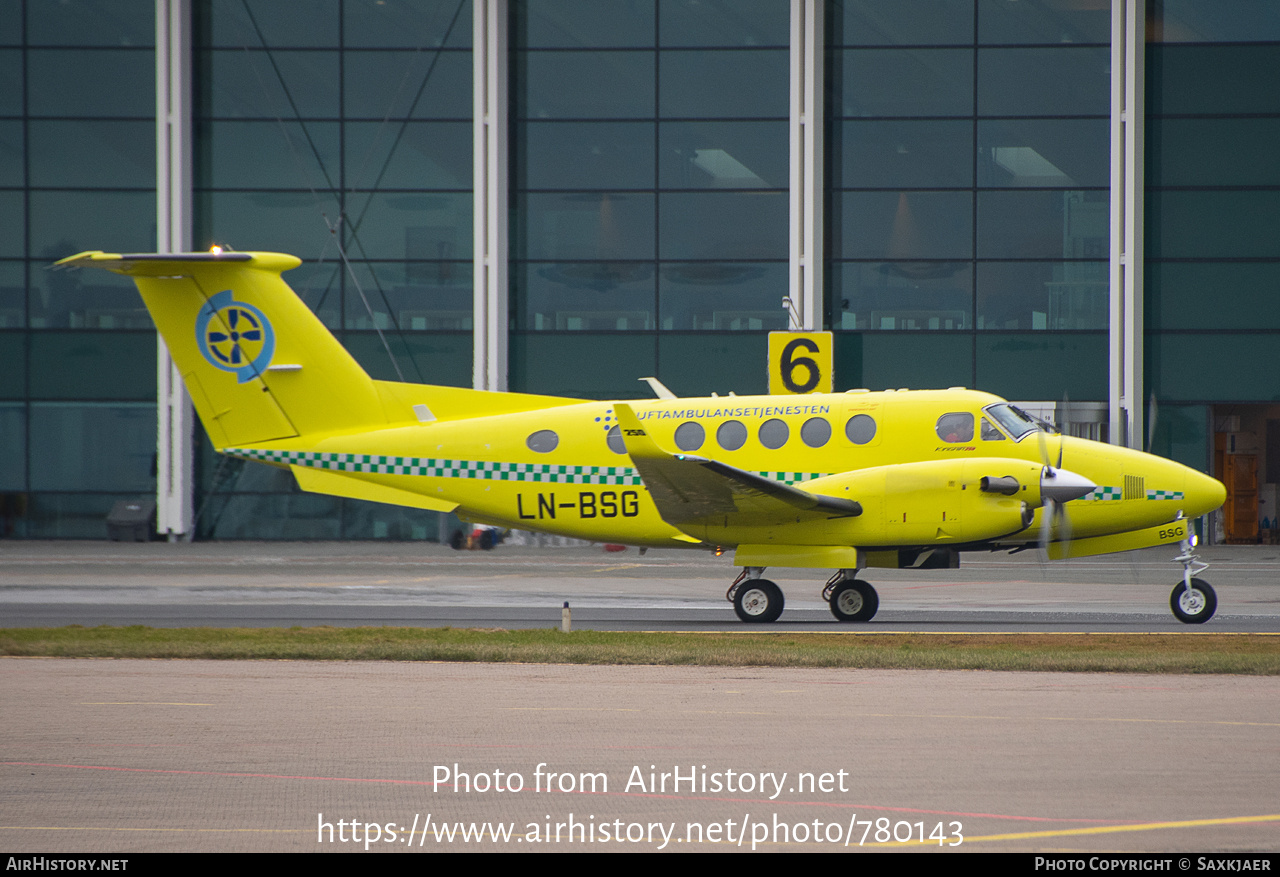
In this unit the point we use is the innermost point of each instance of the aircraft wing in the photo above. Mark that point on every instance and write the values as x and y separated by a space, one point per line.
688 489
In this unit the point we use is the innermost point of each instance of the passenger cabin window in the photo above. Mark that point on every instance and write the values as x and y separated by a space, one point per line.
956 427
690 435
774 434
860 429
989 431
616 444
815 432
543 441
731 435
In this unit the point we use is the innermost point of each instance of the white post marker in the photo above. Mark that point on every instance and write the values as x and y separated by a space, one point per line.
565 623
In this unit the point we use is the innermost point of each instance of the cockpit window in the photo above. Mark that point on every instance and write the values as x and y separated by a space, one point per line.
989 431
956 427
1015 421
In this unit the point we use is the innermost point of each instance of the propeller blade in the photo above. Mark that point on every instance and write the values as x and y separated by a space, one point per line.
1063 524
1047 514
1064 424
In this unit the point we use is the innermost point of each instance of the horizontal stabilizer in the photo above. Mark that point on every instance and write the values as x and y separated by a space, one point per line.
351 487
260 366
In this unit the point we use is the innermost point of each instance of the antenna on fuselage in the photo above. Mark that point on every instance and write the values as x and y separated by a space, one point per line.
659 389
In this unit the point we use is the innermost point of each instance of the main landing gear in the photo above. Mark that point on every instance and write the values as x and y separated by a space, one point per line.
850 600
1193 601
757 600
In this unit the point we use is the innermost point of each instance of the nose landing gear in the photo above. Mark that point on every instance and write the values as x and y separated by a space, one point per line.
1193 600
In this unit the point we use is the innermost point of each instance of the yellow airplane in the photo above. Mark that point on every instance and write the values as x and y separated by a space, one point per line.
840 481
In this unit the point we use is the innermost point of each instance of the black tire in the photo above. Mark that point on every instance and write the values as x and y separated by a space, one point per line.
854 601
458 540
1195 607
758 601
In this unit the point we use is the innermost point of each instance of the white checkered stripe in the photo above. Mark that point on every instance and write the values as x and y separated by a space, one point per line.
1164 494
433 468
478 469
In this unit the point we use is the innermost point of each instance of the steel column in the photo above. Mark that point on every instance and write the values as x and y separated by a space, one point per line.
805 285
1128 120
490 173
175 420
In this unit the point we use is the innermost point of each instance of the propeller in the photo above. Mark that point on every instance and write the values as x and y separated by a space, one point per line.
1058 486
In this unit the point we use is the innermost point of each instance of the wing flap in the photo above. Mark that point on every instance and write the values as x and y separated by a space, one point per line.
689 489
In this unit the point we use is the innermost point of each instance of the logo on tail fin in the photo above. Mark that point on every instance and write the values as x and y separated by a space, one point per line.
235 336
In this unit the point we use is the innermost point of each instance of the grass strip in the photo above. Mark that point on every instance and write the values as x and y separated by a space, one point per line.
1249 654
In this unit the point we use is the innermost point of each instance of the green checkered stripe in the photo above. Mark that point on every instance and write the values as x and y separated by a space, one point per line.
433 468
1118 493
486 471
792 477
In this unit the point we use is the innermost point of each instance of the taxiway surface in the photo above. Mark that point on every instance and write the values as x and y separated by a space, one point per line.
416 584
119 756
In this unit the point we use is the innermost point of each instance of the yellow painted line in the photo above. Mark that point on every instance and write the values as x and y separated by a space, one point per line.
1113 829
140 703
1026 835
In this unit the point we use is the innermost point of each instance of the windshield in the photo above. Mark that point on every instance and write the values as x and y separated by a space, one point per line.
1015 421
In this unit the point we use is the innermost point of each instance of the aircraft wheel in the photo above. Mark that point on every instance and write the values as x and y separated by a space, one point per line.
1195 606
758 601
854 601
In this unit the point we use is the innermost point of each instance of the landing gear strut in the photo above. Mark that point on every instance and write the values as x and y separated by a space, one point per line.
755 600
1193 601
850 600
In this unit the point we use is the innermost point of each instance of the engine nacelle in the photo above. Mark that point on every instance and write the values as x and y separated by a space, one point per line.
938 501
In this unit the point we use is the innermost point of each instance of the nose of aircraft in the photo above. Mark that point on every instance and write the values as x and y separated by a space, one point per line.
1203 493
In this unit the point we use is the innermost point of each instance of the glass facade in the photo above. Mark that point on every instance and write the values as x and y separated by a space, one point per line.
77 352
966 187
1212 228
969 167
649 159
339 131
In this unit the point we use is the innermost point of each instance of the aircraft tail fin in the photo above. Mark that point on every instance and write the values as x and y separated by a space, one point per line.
257 362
